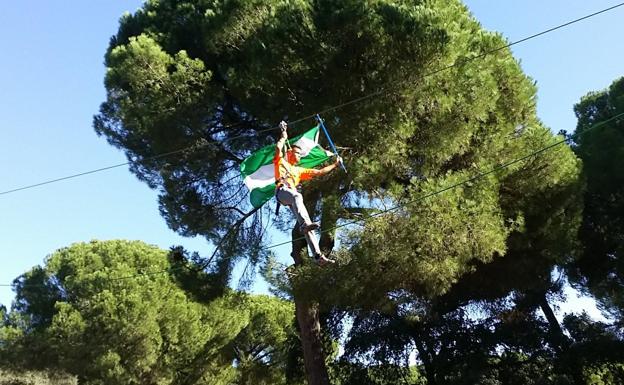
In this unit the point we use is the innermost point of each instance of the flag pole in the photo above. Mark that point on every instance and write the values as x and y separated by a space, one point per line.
331 144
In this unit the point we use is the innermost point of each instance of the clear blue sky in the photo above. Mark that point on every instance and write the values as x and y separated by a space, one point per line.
51 85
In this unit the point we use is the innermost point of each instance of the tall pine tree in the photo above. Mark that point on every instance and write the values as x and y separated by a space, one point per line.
212 77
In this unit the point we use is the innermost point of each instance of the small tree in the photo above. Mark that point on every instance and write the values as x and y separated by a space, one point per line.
113 319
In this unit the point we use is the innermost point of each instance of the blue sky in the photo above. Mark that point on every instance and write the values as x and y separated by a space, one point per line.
51 85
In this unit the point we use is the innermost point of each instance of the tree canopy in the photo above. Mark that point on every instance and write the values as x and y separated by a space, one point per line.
213 76
109 312
600 268
459 211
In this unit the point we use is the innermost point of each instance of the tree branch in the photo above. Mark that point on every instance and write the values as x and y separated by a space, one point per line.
236 225
351 212
241 212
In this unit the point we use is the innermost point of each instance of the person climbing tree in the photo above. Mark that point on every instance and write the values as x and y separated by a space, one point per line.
288 176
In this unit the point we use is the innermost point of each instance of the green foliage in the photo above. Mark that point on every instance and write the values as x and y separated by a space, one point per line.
597 354
542 201
347 373
189 273
112 328
263 347
604 374
117 317
36 378
600 269
509 348
237 67
214 76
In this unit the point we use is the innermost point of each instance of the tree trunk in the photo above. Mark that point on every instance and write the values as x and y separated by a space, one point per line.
313 355
424 357
426 353
310 328
558 338
308 316
550 315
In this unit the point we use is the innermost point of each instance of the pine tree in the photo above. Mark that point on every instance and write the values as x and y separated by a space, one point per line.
113 315
599 142
214 77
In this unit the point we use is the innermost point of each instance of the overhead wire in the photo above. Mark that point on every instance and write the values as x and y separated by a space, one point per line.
420 198
383 90
463 61
163 155
450 187
475 177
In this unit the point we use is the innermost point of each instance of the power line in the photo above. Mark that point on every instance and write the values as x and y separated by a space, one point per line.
420 198
471 179
467 60
351 102
115 166
336 107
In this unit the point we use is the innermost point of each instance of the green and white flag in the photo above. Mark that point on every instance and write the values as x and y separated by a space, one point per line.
259 173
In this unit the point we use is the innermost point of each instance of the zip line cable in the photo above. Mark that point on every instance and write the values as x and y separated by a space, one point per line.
468 60
465 181
343 105
420 198
79 174
339 106
166 154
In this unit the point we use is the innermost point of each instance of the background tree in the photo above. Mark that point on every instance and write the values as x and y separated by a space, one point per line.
36 378
110 312
600 268
597 353
263 348
108 327
214 77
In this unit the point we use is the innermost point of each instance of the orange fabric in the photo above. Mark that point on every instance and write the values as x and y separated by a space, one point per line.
292 174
